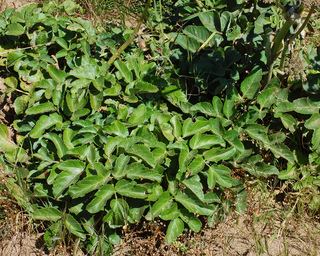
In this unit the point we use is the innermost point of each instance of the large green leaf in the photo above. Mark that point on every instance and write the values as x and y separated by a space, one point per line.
176 126
58 143
204 107
192 204
217 106
87 70
222 175
100 198
187 43
135 214
74 226
171 213
142 152
120 168
229 108
208 20
110 144
258 132
306 106
288 121
45 123
56 74
86 185
185 157
198 33
20 104
267 97
15 29
145 87
164 202
313 122
190 128
138 115
130 189
196 165
283 151
124 71
232 137
139 171
71 171
193 222
251 84
117 128
119 214
5 141
174 230
167 131
47 213
204 141
195 185
40 108
219 154
261 169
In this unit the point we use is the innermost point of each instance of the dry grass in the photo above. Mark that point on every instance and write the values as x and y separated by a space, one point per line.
16 232
116 12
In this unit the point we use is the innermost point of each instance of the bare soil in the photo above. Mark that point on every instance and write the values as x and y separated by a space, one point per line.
268 228
13 3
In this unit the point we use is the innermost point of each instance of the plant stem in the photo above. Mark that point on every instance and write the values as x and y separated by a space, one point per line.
277 44
301 28
276 48
117 54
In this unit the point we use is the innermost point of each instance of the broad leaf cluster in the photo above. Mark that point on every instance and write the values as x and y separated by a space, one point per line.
103 147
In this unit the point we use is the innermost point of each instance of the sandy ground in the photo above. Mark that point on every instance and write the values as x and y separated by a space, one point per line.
267 229
12 3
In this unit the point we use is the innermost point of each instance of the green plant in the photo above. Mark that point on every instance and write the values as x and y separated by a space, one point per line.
101 144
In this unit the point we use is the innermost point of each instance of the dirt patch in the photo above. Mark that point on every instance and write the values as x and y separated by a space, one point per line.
21 244
16 233
13 3
234 237
268 228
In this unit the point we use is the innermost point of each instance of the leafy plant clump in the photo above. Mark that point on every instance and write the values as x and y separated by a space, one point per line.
100 147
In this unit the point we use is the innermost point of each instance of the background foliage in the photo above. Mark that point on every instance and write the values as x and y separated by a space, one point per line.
172 131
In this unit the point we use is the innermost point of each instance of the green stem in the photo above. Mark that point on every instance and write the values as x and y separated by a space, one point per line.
301 28
276 47
117 54
199 3
270 72
277 43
